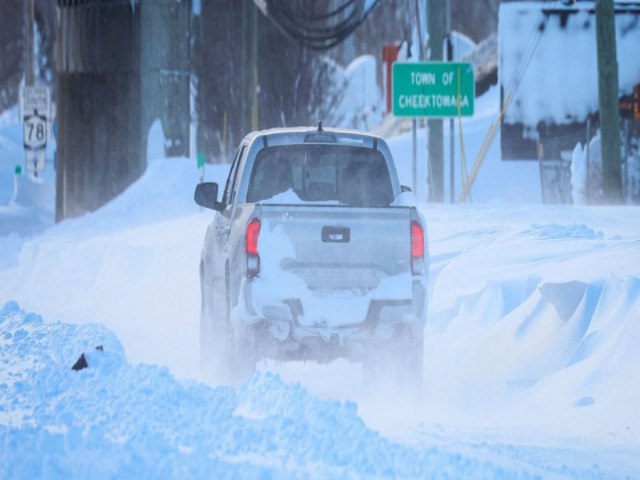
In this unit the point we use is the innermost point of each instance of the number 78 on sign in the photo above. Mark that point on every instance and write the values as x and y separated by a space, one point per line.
433 89
35 132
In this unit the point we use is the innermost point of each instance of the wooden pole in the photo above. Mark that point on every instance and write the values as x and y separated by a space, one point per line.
608 101
437 21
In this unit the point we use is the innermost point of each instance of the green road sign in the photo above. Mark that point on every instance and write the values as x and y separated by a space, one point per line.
433 89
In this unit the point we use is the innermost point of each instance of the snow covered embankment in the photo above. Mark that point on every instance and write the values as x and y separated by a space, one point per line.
113 419
535 325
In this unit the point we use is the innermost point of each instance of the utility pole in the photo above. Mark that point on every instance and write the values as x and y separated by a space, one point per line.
449 46
249 81
254 69
608 101
437 21
245 68
414 122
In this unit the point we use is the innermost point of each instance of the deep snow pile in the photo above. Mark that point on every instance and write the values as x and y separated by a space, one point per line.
115 420
149 239
535 324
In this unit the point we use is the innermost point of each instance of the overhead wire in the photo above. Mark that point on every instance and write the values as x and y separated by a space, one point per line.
317 31
334 13
299 27
315 37
514 84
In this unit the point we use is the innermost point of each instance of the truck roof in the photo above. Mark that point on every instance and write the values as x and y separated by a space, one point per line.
301 135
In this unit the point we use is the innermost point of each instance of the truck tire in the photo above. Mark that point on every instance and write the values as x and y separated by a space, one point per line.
214 333
225 357
241 351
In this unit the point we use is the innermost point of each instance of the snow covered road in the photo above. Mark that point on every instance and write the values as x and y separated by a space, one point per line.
531 354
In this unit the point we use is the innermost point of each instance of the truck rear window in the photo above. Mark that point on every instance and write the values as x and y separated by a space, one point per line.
346 175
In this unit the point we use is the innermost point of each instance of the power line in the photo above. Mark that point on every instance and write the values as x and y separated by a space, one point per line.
312 30
514 84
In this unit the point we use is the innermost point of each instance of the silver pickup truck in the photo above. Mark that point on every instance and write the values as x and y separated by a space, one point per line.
315 253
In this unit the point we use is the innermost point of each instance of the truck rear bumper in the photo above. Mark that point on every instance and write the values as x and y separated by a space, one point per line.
284 331
318 346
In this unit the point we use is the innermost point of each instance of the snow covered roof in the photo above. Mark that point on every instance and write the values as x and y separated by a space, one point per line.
555 48
297 135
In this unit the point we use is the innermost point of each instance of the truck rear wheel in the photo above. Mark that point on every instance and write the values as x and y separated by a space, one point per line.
225 357
214 334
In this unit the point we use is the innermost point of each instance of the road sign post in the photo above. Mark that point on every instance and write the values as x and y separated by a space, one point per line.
34 161
433 89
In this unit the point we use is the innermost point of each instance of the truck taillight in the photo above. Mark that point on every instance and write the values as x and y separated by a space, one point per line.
417 248
251 248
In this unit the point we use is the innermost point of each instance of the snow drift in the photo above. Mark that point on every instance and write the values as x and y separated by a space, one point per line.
113 419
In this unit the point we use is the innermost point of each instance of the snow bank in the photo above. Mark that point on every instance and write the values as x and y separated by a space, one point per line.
532 324
113 419
163 192
136 257
361 104
11 152
586 173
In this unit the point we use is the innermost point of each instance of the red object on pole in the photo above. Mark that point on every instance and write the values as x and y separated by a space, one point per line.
389 56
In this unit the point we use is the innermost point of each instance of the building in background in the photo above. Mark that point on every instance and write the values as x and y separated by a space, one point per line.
548 70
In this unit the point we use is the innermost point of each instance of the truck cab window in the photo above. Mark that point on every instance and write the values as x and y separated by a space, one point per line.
230 187
353 176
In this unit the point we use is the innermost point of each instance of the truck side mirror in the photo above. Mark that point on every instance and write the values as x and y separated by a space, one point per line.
206 195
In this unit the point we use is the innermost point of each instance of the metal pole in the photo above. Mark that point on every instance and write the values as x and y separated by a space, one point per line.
414 123
245 71
414 169
254 63
29 73
588 185
419 26
625 160
451 162
451 134
436 18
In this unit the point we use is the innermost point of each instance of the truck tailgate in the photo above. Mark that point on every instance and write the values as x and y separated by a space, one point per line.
337 248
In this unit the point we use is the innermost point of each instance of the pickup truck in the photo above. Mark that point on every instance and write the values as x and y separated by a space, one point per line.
315 252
